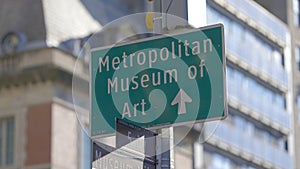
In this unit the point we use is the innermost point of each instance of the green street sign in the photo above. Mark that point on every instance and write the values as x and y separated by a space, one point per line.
160 81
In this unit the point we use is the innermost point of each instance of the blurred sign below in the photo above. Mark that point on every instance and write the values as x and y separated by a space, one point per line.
135 138
105 156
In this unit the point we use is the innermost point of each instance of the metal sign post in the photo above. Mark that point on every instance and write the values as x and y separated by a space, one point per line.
165 139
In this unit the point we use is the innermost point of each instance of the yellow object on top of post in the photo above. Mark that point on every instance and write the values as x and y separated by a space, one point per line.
149 20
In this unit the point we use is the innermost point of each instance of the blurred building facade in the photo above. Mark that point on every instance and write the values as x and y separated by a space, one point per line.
38 125
40 44
294 23
259 83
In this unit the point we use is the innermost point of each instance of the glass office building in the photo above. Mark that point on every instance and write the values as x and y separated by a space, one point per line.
258 130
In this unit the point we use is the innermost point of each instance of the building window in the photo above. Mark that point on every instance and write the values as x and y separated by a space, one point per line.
296 12
298 106
7 132
260 54
297 57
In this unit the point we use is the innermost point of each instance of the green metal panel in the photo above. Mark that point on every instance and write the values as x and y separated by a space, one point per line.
161 81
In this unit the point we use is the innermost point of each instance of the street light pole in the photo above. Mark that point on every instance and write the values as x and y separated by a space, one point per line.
165 138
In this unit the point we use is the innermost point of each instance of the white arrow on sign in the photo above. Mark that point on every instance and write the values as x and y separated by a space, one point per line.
181 98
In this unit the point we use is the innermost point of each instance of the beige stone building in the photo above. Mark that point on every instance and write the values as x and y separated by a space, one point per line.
38 124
